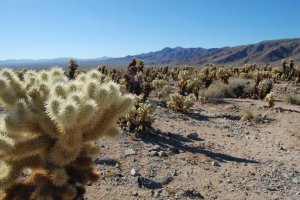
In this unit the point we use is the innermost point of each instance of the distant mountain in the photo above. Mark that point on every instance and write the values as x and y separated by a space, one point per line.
265 52
44 63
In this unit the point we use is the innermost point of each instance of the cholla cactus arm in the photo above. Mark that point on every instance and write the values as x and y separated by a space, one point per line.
49 128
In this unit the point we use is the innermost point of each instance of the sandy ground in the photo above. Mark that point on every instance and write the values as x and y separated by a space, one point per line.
230 159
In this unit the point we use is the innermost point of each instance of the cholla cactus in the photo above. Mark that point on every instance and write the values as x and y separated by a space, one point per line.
288 68
139 117
263 88
193 86
161 88
180 103
49 128
183 76
270 99
73 66
223 74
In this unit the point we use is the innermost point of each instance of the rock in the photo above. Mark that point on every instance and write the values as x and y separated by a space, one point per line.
135 193
153 153
166 180
162 154
147 183
133 172
215 163
193 136
296 180
129 152
155 148
192 193
105 161
175 173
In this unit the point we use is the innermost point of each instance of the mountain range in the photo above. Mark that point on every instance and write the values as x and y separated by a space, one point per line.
265 52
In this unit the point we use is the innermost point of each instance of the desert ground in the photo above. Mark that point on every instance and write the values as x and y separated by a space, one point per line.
205 153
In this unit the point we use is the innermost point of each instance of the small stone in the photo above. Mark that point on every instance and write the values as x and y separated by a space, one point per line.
135 193
215 163
296 180
193 136
162 154
105 161
148 183
153 153
129 152
156 148
192 193
133 172
175 173
166 180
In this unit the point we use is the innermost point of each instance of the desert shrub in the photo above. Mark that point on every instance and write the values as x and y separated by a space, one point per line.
249 115
217 90
179 102
50 128
292 99
241 87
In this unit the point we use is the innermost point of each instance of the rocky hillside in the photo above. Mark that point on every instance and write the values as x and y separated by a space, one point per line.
265 52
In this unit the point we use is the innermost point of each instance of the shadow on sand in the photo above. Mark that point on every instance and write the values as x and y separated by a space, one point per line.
176 141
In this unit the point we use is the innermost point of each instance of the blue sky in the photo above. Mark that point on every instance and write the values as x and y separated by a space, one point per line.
95 28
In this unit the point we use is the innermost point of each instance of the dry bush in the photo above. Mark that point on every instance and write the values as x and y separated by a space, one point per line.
241 87
217 90
292 99
249 115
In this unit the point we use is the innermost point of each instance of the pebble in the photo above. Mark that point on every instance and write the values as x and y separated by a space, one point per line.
192 193
215 163
135 193
147 183
166 180
105 161
129 152
155 148
153 153
133 172
162 154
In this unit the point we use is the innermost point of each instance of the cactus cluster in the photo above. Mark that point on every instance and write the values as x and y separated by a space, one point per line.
49 129
179 102
139 117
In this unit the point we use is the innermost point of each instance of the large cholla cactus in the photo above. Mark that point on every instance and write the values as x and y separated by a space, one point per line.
49 129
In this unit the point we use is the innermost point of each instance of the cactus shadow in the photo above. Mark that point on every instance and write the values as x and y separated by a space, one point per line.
200 117
181 143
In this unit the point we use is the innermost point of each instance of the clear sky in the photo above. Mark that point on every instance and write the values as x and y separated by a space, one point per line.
95 28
